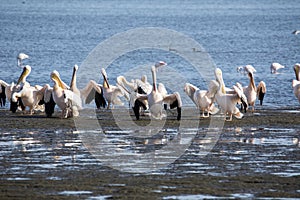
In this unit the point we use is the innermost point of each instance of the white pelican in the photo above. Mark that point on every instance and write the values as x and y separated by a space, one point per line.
157 97
275 67
203 99
20 58
296 32
11 88
252 92
228 102
296 83
107 92
64 97
111 93
7 91
93 91
141 86
30 97
245 69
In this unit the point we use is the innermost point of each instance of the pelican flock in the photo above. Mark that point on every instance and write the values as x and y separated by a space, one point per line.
141 95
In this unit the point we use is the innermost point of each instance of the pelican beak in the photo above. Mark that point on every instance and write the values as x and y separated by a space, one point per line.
219 77
297 72
56 78
105 82
25 73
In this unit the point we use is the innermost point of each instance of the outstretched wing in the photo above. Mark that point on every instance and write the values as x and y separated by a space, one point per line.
242 96
261 91
88 93
49 102
2 96
174 100
72 98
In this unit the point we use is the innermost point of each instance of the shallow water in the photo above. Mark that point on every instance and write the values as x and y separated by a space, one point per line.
247 161
58 164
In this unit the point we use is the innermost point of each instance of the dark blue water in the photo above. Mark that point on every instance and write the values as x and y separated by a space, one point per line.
59 34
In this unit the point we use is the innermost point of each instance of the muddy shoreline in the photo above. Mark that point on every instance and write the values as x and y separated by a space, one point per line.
260 118
56 165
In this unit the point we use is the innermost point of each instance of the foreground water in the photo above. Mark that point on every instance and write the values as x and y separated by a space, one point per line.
253 159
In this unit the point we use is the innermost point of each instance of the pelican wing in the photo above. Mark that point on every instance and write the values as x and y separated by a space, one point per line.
47 94
121 80
91 96
2 96
72 99
242 96
261 91
174 101
297 71
141 97
162 89
88 92
49 101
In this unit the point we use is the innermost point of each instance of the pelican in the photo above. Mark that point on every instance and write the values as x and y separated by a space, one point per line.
107 92
94 91
252 92
110 92
66 99
296 83
157 97
226 101
275 67
296 32
245 69
30 97
203 99
20 58
11 88
141 86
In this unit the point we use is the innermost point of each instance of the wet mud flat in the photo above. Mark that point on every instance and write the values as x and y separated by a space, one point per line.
255 157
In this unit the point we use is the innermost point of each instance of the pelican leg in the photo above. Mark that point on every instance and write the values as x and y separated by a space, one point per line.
230 117
207 114
108 105
202 113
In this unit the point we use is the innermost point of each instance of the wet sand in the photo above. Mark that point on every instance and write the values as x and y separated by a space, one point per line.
260 118
84 177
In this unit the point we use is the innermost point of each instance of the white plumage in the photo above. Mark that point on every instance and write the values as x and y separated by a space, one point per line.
203 99
275 67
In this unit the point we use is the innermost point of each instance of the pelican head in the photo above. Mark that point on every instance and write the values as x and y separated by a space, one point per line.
105 82
144 78
20 57
25 73
160 64
75 67
56 78
219 78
